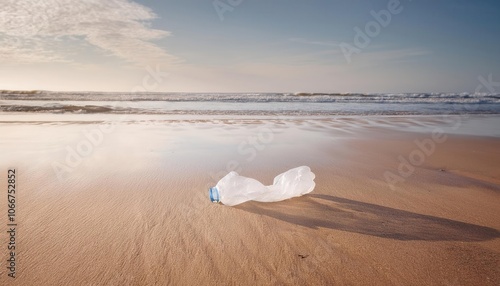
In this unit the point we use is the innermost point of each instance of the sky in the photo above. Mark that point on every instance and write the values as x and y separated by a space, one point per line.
249 45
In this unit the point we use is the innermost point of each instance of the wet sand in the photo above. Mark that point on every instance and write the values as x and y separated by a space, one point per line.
130 206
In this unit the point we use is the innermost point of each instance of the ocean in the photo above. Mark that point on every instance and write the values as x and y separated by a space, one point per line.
279 104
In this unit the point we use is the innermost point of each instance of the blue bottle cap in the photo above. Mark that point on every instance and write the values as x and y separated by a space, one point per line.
214 195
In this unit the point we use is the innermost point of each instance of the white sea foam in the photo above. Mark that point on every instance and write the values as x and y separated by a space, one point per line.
249 103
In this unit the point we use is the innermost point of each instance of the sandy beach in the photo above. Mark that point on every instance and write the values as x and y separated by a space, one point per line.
398 201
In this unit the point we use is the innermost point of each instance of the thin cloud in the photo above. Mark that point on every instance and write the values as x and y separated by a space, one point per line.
391 55
317 43
368 57
119 27
25 51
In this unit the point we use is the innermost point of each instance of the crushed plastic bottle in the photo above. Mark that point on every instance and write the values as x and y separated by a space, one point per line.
234 189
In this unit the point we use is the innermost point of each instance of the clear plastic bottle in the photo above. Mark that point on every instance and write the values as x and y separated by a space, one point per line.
234 189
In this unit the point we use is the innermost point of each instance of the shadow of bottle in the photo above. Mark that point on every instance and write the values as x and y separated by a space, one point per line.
325 211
